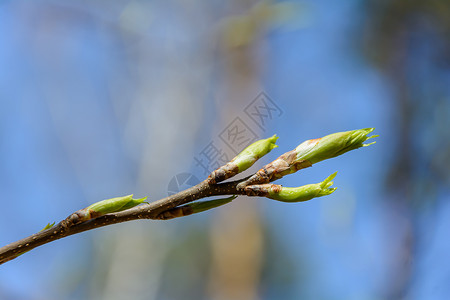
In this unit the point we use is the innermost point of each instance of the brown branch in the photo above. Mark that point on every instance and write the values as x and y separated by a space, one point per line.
304 155
154 210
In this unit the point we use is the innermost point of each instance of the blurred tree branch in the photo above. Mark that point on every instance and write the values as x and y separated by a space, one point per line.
408 41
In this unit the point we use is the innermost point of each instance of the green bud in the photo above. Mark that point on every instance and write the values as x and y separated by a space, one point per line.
206 205
243 160
193 208
308 153
113 205
253 152
333 145
49 225
303 193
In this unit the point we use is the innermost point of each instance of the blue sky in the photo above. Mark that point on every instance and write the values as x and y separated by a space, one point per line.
91 103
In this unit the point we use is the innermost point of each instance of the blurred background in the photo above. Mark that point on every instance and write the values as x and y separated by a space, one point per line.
100 99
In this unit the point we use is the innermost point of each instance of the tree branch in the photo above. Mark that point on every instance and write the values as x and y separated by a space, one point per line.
123 209
153 210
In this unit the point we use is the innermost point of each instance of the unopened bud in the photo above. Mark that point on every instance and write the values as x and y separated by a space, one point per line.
193 208
287 194
207 205
310 152
303 193
244 160
255 151
333 145
102 208
113 205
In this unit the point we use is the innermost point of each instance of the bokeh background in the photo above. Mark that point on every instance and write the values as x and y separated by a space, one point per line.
100 99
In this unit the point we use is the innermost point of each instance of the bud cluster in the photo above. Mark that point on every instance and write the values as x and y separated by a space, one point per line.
308 153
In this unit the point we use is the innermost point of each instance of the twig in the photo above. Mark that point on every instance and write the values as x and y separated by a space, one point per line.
123 209
152 210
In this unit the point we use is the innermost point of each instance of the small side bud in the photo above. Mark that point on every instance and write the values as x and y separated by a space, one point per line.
49 225
303 193
207 205
193 208
244 160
